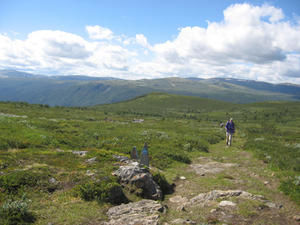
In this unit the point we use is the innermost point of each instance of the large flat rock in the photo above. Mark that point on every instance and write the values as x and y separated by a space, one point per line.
144 212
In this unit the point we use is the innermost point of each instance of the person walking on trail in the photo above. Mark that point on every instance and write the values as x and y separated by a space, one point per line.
229 131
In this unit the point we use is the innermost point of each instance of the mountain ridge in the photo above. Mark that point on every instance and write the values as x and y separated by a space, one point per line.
87 91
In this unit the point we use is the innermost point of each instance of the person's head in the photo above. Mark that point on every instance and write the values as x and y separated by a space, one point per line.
230 119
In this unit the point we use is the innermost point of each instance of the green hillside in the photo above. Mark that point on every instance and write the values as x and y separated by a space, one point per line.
170 105
37 157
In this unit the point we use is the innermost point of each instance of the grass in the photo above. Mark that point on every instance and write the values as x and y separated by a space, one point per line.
37 139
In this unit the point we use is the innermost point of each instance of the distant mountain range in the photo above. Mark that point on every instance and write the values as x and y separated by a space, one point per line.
78 90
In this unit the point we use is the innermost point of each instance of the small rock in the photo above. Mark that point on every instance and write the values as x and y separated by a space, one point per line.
80 153
213 210
183 221
122 159
266 182
178 199
52 180
296 217
91 160
89 173
182 178
226 203
181 208
271 205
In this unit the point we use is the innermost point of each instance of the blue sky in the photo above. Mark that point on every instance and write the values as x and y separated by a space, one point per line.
149 39
156 19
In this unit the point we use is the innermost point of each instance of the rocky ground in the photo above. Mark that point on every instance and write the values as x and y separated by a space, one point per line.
224 186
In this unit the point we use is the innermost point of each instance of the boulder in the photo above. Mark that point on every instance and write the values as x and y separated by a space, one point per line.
139 177
144 212
207 198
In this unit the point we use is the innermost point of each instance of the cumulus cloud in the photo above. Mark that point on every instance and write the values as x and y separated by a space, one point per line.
250 38
62 52
142 40
247 34
99 33
251 42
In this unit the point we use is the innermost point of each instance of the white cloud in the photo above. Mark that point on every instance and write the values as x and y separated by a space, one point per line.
251 42
142 40
99 33
250 38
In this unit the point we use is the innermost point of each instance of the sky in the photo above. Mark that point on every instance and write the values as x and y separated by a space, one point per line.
137 39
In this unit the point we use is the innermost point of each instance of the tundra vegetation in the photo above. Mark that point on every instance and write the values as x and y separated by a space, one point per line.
44 178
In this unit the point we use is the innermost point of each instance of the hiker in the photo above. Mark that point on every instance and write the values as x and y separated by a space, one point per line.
145 156
229 131
134 153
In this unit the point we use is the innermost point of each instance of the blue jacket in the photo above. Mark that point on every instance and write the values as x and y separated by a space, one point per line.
230 127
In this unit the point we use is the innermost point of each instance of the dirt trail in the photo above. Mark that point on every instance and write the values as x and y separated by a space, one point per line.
228 186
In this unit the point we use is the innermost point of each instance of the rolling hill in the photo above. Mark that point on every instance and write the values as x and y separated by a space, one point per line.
88 91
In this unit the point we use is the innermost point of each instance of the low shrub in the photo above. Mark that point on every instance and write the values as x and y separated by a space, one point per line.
179 157
214 138
13 181
16 180
102 191
195 144
14 212
291 187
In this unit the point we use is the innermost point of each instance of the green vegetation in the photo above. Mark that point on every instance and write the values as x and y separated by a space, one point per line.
16 212
38 147
106 191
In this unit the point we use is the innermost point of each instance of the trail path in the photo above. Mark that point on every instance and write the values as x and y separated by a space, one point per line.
228 186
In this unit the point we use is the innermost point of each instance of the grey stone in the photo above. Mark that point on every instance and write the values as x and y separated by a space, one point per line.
122 159
134 174
181 208
90 173
91 160
52 180
138 120
296 217
183 221
80 153
178 199
144 212
271 204
226 203
207 198
213 211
